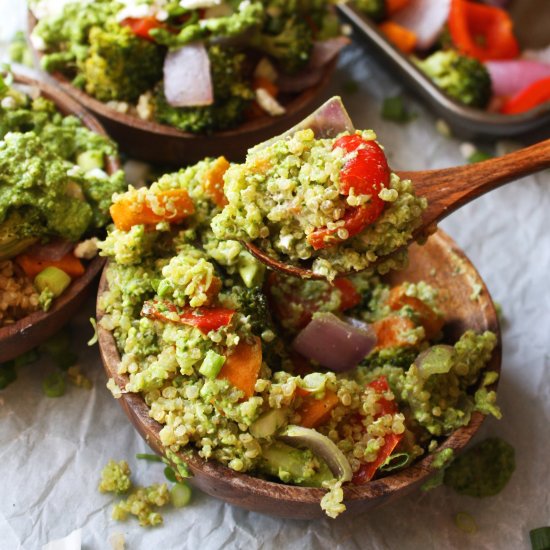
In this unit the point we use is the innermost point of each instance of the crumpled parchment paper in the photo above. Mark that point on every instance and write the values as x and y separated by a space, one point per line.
52 450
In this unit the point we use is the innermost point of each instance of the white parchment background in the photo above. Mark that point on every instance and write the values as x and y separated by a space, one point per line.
52 450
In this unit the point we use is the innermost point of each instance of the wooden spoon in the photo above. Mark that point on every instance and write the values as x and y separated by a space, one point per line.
446 190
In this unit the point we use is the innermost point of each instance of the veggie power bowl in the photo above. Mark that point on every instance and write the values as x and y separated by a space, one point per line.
173 80
286 396
482 66
58 172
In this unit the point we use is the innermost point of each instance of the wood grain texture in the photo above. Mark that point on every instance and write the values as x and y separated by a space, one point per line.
440 263
33 329
162 144
447 190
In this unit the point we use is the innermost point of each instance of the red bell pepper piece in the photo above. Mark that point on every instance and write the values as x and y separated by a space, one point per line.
203 318
535 94
367 173
481 31
368 469
349 297
141 26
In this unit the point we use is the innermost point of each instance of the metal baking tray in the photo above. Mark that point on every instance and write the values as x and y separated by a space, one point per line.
532 25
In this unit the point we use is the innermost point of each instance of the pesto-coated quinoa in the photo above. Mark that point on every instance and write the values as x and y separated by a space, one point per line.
293 200
207 335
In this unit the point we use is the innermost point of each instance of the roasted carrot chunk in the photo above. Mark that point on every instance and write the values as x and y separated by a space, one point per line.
32 266
172 205
242 367
213 181
314 412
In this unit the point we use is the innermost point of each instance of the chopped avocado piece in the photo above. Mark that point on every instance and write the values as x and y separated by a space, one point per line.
251 270
212 364
88 160
301 467
269 423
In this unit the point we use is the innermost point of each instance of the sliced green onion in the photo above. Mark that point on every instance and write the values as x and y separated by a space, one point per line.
54 385
26 358
180 495
212 364
53 279
88 160
7 374
465 522
149 457
395 461
93 340
170 475
394 109
58 348
540 538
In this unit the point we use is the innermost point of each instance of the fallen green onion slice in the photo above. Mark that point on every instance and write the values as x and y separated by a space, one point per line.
540 538
395 461
150 457
54 385
180 495
465 522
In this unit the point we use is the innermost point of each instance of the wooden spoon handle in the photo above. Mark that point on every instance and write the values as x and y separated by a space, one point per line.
451 188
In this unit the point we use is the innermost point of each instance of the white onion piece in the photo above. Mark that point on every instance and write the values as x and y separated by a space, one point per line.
425 18
187 77
329 120
511 77
333 343
322 446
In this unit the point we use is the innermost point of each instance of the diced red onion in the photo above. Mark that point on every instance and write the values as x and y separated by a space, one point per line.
425 18
333 343
54 250
511 77
323 53
187 78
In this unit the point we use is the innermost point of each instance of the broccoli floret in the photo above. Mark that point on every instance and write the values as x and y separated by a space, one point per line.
17 233
375 9
463 78
67 33
396 357
291 47
232 94
252 302
120 66
246 15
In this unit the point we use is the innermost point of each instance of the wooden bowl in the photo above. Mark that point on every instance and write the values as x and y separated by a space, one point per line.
440 263
33 329
162 144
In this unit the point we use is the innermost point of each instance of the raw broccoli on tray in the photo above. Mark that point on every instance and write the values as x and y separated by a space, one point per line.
463 78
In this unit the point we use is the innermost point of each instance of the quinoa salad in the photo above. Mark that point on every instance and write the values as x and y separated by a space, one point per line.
54 198
198 65
333 203
302 382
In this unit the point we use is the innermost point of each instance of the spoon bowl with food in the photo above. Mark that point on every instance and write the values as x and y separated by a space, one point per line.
323 202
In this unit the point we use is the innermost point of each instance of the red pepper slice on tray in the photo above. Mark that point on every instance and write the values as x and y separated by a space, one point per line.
481 31
535 94
368 469
203 318
367 172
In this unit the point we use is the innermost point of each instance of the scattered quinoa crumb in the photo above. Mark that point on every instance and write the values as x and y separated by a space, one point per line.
115 478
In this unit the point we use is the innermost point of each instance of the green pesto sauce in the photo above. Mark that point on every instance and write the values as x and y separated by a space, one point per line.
482 471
